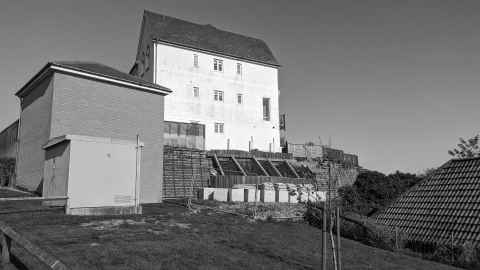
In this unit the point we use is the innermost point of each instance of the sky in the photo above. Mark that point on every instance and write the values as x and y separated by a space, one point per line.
395 82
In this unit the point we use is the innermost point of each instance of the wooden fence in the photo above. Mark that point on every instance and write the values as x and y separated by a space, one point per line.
227 181
8 237
184 171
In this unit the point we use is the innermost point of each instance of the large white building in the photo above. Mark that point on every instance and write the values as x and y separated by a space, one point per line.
225 81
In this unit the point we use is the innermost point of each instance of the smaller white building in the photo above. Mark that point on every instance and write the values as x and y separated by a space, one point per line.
94 173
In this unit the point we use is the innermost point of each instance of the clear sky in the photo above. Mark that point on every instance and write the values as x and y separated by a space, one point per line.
396 82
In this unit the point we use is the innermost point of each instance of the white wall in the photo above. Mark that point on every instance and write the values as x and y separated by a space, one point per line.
174 68
101 174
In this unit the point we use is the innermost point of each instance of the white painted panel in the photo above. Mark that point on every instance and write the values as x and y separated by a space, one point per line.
101 174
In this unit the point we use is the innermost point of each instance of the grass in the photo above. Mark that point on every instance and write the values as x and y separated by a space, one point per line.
171 237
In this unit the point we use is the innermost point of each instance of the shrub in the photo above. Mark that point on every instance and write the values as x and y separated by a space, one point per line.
373 191
354 227
363 229
469 256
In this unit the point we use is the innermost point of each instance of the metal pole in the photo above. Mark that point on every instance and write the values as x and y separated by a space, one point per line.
137 176
451 246
324 237
329 184
339 258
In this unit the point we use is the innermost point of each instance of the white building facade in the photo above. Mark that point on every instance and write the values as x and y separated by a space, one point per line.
236 100
231 90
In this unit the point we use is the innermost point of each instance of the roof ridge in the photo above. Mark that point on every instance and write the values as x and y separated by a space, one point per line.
247 47
205 25
465 158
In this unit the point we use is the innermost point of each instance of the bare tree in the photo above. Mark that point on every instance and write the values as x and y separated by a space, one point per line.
467 148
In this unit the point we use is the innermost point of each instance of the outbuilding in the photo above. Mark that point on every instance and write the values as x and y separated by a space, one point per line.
82 125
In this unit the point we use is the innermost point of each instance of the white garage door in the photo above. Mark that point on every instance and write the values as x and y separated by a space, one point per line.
101 173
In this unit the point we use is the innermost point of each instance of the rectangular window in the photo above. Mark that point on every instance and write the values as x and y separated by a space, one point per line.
239 98
218 127
239 68
266 109
217 64
196 91
217 95
195 60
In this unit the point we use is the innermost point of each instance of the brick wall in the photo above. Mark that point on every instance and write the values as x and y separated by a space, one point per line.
91 108
8 141
34 133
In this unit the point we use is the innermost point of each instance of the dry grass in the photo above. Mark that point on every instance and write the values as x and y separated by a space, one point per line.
171 237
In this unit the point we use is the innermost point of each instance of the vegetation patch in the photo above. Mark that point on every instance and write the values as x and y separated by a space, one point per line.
172 237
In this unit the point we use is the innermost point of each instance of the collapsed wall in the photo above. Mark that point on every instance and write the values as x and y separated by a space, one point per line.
327 175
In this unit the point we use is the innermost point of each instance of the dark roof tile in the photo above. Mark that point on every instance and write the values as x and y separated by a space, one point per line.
208 38
447 202
106 71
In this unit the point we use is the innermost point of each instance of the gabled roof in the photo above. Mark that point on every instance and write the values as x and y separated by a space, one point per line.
207 37
444 205
96 71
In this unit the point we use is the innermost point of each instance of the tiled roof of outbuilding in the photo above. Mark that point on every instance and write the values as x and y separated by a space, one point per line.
106 71
95 70
207 37
444 205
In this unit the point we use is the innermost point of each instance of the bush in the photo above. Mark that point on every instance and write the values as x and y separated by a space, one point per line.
354 227
466 256
373 191
365 230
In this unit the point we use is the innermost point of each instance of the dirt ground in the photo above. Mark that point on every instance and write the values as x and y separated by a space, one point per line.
171 237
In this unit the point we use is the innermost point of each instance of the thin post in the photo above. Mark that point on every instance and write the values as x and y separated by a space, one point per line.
219 166
329 184
396 237
451 247
237 164
324 237
339 258
6 243
260 166
332 241
137 175
256 196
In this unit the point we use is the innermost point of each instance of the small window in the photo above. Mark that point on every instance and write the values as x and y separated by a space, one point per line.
218 95
239 98
196 91
266 109
239 68
195 60
218 127
217 64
